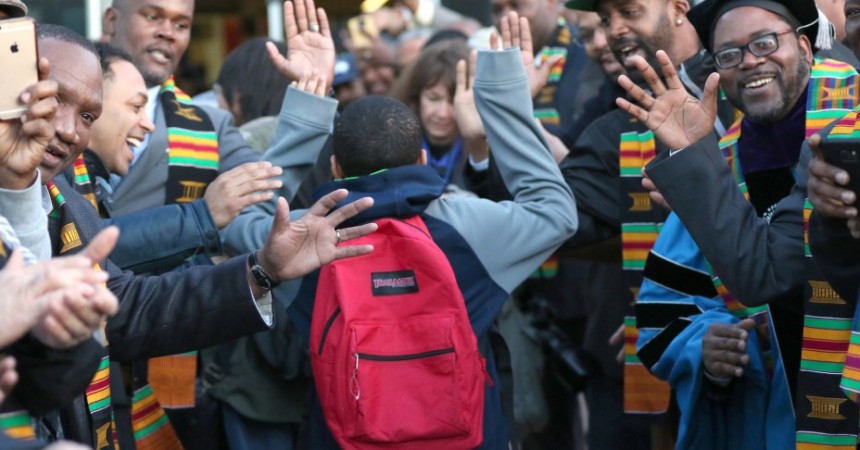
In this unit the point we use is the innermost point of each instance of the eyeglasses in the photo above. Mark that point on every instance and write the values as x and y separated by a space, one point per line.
760 46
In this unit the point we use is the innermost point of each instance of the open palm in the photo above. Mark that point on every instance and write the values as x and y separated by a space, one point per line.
309 42
677 118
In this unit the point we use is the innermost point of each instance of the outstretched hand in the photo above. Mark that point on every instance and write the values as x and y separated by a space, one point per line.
294 249
677 118
309 43
517 33
240 187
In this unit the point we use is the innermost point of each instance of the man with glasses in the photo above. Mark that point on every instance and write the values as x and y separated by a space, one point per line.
737 229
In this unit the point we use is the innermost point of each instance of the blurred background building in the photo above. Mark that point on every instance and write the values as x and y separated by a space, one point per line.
219 26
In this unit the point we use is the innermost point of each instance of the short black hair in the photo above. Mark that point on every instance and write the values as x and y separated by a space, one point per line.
109 54
375 133
249 75
64 34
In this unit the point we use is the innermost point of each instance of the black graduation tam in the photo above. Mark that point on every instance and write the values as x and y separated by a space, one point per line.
802 14
581 5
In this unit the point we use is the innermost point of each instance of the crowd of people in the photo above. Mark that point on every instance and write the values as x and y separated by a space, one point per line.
632 196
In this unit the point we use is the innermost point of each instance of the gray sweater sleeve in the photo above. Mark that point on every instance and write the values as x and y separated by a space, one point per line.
297 154
512 238
302 130
24 211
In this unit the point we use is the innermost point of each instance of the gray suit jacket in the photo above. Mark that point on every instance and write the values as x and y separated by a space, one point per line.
144 186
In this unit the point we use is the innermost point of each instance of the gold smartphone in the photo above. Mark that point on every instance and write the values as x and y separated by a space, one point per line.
362 31
19 58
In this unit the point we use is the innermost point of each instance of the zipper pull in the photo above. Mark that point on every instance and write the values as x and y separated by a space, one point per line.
483 368
354 388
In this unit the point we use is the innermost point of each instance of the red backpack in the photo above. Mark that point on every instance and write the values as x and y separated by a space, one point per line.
394 357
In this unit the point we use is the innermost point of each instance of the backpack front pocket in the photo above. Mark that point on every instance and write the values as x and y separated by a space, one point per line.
406 383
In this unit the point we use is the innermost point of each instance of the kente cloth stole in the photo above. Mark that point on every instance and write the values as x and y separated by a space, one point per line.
825 419
151 428
16 424
640 224
82 182
544 108
192 164
98 391
150 425
729 146
192 146
830 364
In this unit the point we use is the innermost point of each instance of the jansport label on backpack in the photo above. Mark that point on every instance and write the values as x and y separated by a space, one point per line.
394 283
395 359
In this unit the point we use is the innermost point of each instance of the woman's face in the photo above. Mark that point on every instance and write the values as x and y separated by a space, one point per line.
436 110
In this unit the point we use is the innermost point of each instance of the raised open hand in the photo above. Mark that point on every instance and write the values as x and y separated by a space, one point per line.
23 141
309 42
516 32
294 249
468 120
677 118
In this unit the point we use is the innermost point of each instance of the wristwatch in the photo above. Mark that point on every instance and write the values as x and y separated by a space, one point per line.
260 276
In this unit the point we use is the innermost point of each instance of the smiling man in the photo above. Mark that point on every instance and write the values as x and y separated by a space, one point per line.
156 33
124 124
170 313
121 128
767 303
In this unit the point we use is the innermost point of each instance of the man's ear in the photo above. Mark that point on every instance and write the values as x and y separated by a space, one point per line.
806 45
680 9
109 23
336 171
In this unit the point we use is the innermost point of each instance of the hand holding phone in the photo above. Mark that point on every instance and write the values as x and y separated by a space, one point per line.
844 154
362 31
18 64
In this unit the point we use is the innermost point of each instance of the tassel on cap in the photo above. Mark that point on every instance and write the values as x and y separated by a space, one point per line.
826 31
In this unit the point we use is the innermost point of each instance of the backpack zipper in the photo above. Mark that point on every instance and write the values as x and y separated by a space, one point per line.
404 357
327 327
355 389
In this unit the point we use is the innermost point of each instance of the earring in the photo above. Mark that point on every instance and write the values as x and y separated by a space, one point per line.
678 22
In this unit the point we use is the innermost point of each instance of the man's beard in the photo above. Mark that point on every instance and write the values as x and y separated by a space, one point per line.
775 111
648 46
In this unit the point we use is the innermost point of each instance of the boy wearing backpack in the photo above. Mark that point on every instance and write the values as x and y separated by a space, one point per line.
395 364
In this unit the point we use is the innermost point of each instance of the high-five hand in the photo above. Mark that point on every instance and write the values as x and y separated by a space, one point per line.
516 32
677 118
309 42
294 249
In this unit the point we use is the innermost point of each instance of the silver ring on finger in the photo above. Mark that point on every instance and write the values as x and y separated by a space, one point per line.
337 233
314 27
